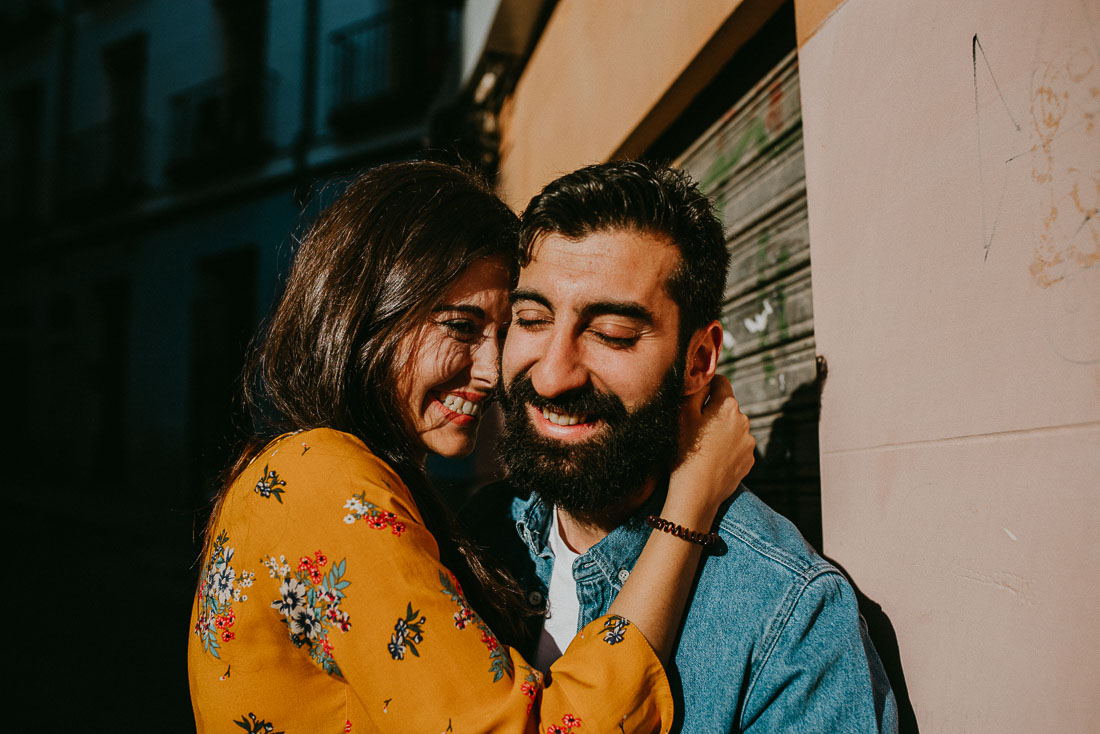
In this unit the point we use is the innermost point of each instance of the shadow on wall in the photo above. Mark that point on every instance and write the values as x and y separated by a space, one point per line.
787 472
787 476
885 640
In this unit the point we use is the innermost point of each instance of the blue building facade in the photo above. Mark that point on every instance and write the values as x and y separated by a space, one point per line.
157 159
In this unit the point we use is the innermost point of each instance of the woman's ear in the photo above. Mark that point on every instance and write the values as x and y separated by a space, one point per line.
703 352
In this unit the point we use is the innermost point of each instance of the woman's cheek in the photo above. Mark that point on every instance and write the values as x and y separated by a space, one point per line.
452 357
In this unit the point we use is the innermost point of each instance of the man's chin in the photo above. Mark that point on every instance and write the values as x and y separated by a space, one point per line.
574 475
563 458
588 469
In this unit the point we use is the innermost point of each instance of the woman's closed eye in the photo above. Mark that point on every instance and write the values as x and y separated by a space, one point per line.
462 329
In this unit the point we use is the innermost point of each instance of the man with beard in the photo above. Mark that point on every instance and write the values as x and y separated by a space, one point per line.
614 321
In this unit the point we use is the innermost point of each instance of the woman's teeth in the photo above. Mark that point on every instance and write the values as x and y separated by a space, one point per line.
460 405
564 419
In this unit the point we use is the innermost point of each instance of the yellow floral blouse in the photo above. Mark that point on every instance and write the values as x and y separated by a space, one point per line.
323 607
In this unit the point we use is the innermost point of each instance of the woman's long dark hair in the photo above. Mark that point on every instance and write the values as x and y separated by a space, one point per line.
368 273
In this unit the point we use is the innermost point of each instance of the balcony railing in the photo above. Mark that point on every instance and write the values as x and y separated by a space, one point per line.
106 166
220 127
387 68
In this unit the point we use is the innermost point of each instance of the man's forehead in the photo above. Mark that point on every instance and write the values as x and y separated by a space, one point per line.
607 242
620 265
604 252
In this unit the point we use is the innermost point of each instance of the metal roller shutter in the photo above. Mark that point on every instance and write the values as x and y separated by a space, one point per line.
751 162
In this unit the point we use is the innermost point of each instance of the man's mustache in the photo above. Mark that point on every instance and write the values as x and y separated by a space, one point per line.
586 399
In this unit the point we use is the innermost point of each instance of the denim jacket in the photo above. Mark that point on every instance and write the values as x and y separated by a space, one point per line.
772 640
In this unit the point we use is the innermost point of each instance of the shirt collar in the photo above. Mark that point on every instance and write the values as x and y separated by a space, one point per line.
608 558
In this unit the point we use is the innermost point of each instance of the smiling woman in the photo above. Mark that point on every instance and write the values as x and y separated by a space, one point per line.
335 589
453 370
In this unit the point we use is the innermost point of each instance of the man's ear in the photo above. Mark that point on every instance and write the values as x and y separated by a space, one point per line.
703 352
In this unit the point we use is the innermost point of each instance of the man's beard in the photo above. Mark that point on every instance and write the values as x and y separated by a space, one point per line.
592 480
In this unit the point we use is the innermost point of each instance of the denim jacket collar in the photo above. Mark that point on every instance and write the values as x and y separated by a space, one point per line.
609 561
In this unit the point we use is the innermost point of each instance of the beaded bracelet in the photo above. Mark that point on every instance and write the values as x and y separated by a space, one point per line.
692 536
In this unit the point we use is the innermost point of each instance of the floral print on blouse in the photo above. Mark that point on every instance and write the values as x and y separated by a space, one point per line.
328 609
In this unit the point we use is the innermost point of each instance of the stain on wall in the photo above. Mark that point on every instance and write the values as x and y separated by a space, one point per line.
1045 138
952 173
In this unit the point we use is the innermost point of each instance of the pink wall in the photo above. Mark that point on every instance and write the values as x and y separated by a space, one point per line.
953 191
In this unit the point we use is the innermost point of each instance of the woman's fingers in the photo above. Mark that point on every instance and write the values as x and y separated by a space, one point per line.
716 448
721 391
691 414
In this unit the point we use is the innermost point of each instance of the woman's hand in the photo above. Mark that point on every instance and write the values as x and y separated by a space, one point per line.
716 452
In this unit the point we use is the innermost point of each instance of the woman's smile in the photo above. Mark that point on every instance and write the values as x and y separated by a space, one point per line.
462 408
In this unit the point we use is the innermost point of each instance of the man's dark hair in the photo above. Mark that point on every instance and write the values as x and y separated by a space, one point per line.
639 197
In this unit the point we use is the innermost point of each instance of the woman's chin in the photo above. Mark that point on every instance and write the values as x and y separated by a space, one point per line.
454 451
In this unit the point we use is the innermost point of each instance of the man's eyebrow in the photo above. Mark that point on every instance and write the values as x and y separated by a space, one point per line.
629 309
461 308
526 294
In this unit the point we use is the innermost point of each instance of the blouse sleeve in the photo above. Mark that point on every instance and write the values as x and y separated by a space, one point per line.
369 601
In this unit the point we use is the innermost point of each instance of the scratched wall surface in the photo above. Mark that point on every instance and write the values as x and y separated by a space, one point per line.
953 183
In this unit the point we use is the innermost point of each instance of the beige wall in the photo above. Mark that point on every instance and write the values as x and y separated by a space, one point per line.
956 265
605 79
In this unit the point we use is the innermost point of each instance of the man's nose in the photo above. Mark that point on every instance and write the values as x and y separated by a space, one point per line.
560 368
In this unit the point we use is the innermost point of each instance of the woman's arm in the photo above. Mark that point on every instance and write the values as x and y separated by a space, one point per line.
348 609
716 452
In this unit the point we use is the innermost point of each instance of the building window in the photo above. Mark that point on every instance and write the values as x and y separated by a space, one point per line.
125 63
21 172
109 368
388 68
223 317
105 166
225 124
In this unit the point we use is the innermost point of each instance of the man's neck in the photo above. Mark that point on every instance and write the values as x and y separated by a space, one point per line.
580 534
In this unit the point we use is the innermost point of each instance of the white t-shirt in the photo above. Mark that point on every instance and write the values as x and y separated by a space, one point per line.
563 609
